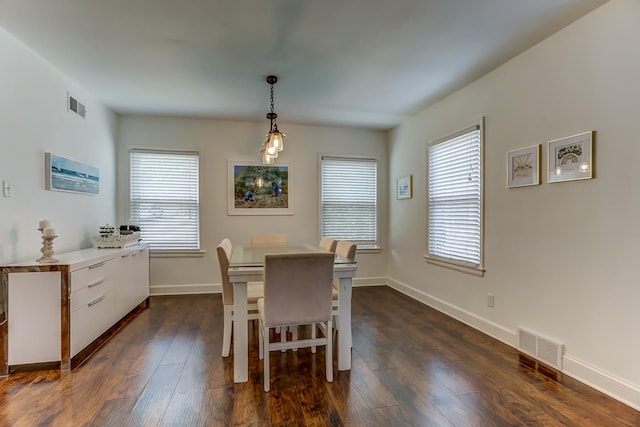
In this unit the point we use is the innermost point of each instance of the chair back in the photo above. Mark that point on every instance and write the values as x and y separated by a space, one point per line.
225 249
346 250
328 244
268 239
297 288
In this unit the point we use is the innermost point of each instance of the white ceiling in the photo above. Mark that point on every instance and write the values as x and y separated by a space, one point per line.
365 63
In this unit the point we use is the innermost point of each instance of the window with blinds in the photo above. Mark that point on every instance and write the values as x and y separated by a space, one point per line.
164 198
455 198
349 200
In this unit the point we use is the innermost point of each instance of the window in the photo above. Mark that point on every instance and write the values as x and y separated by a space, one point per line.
349 200
455 199
164 198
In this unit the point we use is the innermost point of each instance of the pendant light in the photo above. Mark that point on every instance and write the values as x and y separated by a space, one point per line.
274 143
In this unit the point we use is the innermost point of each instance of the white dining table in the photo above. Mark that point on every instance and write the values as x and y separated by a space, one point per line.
247 265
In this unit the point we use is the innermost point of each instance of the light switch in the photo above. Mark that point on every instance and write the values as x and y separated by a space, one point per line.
7 189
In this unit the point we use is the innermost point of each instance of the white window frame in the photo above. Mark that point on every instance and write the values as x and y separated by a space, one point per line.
466 263
186 248
361 243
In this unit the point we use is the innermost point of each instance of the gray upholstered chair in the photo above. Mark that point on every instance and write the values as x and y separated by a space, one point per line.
268 239
254 291
328 244
297 291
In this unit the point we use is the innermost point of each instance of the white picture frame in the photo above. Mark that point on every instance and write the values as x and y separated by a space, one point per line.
405 187
257 189
523 167
570 158
63 174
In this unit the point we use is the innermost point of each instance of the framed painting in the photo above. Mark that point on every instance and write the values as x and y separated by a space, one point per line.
64 174
570 158
523 167
405 190
257 189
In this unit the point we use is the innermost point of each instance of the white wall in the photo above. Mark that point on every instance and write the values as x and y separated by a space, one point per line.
34 120
218 141
560 258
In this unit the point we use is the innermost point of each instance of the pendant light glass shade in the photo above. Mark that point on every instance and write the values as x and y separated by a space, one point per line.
275 138
266 158
271 149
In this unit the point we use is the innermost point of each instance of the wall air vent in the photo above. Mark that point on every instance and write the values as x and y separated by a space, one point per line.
542 349
75 106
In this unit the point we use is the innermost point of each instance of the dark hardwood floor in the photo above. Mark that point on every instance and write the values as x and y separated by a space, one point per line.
412 366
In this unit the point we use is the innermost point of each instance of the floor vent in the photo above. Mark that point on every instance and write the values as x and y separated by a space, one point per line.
543 349
76 106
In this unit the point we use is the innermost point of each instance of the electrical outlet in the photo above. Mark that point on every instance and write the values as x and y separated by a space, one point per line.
490 300
7 189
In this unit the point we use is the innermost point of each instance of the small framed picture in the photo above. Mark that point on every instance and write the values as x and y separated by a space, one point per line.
523 167
64 174
405 190
570 158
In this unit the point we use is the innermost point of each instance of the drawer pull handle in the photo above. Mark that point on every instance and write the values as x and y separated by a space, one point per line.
125 255
98 265
96 283
95 301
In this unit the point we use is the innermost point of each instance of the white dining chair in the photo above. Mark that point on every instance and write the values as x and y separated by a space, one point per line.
297 291
328 244
345 250
269 239
255 290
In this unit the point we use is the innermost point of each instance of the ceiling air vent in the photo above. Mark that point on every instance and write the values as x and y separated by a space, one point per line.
75 106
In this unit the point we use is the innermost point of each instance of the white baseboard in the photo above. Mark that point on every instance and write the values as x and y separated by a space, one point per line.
369 281
627 393
216 288
608 384
201 288
492 329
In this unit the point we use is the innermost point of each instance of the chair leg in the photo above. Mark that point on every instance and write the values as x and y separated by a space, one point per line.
261 340
294 335
265 368
313 336
329 353
226 331
283 336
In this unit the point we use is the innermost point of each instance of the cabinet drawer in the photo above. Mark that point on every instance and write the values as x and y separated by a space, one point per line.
90 292
89 321
93 273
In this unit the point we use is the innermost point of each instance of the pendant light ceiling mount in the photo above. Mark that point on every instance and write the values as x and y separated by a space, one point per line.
274 143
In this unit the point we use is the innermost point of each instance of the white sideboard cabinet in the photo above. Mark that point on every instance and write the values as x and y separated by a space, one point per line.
52 312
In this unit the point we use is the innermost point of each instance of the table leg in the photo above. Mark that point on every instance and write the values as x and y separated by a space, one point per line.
240 333
344 333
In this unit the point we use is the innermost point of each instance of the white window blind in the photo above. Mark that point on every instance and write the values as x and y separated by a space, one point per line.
164 198
454 198
349 200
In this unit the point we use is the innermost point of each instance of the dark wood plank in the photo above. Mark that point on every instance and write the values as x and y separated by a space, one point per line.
412 365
